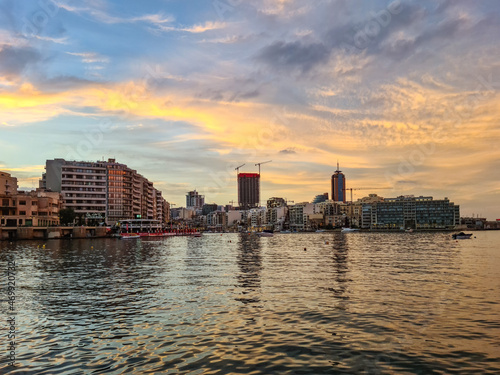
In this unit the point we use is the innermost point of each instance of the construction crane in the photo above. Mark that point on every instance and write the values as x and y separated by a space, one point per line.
264 162
366 188
237 169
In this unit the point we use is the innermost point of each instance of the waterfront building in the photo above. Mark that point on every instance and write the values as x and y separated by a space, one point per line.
276 202
207 208
34 208
335 221
328 207
338 186
412 212
234 217
103 191
248 190
182 213
299 216
276 216
353 212
257 217
8 184
194 200
217 220
320 198
473 222
331 213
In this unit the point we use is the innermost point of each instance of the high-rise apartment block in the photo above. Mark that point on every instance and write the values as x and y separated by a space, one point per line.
194 200
104 190
248 190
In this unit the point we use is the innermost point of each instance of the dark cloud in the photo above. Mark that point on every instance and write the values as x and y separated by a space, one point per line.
14 60
287 151
294 55
370 33
221 95
63 83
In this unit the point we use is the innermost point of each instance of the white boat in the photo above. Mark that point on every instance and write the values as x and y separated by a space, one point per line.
130 236
320 231
285 231
347 230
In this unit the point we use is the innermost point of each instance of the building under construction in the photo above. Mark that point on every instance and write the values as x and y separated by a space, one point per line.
248 190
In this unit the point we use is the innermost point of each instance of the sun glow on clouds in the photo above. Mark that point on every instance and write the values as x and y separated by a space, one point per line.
278 80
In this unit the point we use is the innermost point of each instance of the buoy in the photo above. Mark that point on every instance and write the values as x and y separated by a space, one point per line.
44 246
326 242
305 249
91 247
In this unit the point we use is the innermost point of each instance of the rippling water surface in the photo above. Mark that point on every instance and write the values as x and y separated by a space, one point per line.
237 304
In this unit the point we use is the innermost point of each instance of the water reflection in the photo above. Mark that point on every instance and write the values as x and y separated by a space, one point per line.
340 259
88 291
249 260
360 303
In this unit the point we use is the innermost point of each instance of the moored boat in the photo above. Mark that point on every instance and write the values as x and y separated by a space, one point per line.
461 236
347 230
129 236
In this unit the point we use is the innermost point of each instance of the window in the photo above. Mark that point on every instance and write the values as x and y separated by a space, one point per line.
22 213
22 203
34 203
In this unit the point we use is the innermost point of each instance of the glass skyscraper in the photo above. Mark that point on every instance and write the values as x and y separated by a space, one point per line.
338 186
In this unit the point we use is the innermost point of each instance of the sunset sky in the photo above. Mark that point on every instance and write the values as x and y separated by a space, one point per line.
404 94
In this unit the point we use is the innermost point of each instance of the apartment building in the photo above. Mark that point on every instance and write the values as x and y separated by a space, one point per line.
103 191
34 208
411 212
299 216
8 184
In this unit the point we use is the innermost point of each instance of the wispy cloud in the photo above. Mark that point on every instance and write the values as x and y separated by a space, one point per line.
195 29
90 57
99 12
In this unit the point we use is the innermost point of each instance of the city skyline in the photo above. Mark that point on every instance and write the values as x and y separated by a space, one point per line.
405 94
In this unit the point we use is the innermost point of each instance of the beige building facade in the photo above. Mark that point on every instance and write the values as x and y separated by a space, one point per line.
104 191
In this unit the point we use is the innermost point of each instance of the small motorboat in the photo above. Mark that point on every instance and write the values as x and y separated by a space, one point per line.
265 233
347 230
130 236
320 231
461 236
